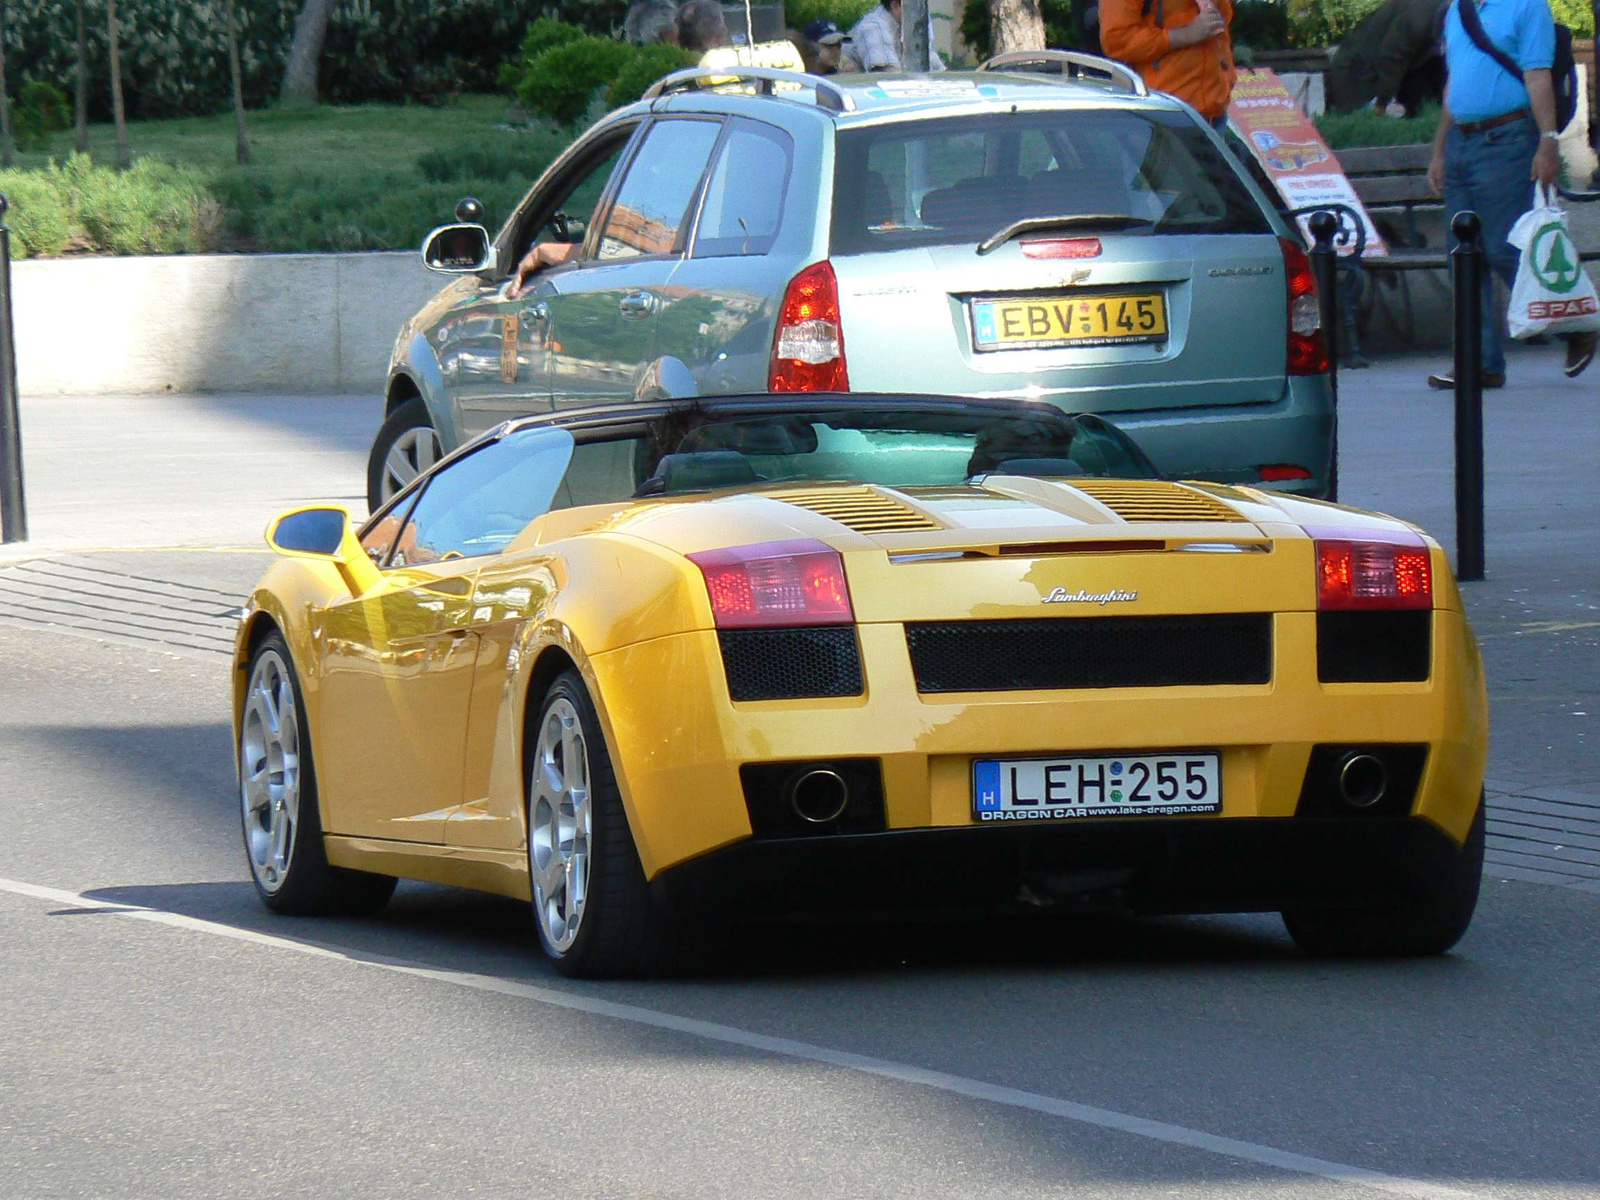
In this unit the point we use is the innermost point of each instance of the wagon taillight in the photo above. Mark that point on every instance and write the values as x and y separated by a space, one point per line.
808 347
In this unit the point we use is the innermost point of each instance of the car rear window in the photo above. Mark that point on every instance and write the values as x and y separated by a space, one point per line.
963 180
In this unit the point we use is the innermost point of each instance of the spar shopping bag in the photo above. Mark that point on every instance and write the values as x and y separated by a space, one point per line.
1552 293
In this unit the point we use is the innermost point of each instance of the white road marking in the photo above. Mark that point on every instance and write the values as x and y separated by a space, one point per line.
974 1089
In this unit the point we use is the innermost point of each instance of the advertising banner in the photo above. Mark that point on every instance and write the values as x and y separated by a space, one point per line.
1293 154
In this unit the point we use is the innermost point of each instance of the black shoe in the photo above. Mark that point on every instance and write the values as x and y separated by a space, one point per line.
1445 381
1580 352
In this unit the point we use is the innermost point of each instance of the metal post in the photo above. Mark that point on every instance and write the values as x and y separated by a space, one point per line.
1325 266
1466 261
13 503
914 35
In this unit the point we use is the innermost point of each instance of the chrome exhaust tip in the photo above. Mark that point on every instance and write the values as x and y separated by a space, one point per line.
819 797
1363 780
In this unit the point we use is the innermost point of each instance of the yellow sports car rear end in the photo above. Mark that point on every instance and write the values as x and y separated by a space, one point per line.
1145 693
658 668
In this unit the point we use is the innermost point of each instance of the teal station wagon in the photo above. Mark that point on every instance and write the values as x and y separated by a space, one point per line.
1043 227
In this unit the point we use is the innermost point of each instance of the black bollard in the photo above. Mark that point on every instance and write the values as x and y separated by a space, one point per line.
1325 266
13 504
1466 261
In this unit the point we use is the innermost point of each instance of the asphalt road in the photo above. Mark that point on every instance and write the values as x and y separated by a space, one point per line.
163 1036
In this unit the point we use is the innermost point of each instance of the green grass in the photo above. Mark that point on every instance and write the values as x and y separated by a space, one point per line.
1367 128
367 177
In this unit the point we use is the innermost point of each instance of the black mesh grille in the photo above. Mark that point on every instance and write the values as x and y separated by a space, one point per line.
1091 652
1374 647
787 664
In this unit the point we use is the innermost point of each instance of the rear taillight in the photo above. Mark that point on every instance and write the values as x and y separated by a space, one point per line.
808 348
1061 248
1308 348
1358 572
798 582
1282 472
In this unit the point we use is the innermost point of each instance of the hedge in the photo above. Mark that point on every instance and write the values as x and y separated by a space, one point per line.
174 58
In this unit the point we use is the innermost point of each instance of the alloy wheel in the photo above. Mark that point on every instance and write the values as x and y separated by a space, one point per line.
269 770
413 452
559 825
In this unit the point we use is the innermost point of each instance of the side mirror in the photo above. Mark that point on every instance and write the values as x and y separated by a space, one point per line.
458 250
325 532
568 228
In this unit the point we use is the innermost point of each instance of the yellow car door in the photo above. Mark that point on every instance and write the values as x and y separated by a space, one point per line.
399 660
396 685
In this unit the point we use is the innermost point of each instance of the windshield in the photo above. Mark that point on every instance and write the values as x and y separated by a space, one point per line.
698 451
964 180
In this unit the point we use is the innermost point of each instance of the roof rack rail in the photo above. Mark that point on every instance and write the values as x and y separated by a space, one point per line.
766 80
1072 64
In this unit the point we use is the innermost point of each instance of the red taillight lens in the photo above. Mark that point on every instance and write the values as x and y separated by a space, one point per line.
808 349
1062 248
1308 347
1278 472
1360 573
798 582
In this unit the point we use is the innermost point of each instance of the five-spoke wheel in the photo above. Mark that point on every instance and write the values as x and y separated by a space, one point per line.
406 446
278 799
269 770
559 824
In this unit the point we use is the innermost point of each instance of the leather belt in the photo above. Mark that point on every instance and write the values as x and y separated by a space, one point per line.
1493 122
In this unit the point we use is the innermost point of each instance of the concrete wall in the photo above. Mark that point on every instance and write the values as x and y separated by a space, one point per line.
213 323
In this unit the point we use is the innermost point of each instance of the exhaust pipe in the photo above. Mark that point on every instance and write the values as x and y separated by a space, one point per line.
819 797
1363 780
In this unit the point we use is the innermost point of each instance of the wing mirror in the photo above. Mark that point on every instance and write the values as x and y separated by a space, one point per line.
458 250
325 533
568 228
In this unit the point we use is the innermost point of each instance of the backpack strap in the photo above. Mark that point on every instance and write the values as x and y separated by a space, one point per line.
1473 24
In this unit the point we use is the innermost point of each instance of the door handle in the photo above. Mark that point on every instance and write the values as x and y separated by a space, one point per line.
538 311
637 304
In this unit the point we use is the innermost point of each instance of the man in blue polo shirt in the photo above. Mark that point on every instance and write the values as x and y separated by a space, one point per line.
1497 137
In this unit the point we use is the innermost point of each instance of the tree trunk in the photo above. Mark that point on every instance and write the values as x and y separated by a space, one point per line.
242 144
914 35
124 159
300 72
80 110
1015 25
7 153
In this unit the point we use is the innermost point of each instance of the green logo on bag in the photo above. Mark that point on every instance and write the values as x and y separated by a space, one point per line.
1554 260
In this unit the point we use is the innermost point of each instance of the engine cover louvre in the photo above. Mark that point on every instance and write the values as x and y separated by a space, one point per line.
864 509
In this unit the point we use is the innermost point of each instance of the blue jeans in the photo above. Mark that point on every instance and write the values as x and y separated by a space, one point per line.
1491 173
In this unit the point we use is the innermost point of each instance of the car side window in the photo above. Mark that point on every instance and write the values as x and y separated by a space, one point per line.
575 197
744 198
652 205
477 504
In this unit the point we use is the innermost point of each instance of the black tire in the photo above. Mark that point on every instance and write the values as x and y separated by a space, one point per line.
1431 922
622 930
307 885
413 414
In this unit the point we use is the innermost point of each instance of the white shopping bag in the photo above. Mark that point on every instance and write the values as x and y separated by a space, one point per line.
1553 293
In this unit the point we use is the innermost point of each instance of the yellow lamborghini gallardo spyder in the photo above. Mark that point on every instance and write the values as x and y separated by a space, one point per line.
664 666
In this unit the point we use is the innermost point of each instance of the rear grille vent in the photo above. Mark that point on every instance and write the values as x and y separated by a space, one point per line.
788 664
1091 652
1374 647
861 509
1142 501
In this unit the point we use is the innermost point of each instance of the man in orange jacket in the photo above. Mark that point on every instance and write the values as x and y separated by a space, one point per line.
1179 46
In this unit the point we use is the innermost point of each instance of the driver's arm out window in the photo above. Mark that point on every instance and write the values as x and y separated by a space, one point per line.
478 504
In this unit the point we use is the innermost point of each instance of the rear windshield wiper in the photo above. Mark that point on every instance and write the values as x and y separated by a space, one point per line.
1076 220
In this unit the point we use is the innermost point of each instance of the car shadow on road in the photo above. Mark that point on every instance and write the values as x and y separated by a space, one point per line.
452 929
